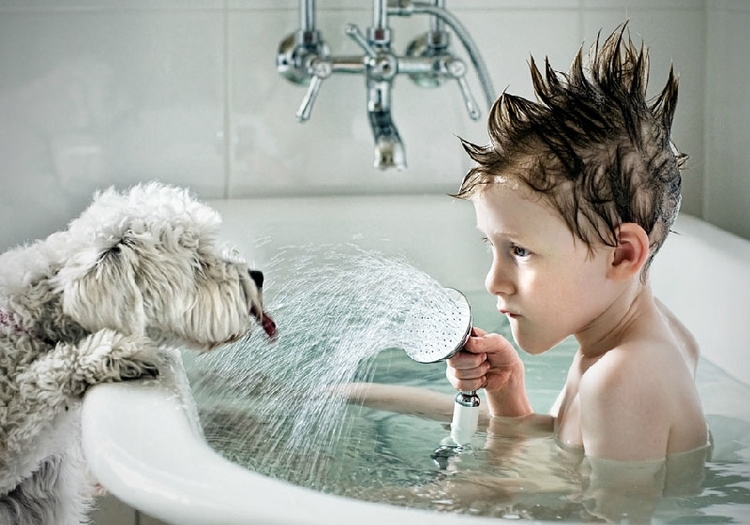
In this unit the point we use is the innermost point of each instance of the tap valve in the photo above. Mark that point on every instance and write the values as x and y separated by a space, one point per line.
455 68
319 69
355 34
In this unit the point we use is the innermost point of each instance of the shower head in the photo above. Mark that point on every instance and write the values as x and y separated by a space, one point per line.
444 335
439 337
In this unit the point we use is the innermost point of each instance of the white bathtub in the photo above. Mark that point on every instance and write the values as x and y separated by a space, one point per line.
142 438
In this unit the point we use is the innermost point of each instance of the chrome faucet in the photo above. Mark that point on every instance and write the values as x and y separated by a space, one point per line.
389 150
304 58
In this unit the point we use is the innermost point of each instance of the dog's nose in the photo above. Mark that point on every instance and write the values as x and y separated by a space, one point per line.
257 277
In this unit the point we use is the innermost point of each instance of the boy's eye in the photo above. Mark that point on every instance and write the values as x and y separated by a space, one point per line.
518 251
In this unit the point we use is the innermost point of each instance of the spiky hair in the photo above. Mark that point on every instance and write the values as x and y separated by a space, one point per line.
592 144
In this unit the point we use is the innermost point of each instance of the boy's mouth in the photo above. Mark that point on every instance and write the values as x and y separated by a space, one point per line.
508 313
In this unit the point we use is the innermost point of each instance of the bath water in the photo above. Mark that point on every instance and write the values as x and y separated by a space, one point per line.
344 315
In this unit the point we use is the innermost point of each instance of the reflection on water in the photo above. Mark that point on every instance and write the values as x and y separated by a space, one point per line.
251 413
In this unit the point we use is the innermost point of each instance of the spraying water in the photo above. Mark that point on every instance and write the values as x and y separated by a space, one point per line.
336 307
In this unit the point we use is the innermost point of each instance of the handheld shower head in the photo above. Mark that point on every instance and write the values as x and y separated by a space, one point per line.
440 341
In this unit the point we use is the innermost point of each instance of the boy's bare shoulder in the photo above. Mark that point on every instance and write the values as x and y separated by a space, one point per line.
625 414
659 350
683 337
642 365
620 370
645 383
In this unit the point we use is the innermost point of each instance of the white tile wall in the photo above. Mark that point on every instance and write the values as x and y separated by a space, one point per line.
100 92
727 120
95 96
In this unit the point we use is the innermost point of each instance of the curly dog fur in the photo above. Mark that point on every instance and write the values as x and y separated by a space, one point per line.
92 304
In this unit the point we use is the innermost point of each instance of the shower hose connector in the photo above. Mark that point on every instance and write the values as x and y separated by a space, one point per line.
465 417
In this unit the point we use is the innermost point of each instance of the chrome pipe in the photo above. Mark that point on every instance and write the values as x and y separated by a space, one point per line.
307 15
380 14
436 23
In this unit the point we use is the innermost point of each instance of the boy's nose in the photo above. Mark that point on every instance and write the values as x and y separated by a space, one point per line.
497 281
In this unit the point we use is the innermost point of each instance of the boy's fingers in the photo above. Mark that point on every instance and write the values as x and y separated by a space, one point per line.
488 343
464 383
480 344
464 360
477 332
468 386
471 373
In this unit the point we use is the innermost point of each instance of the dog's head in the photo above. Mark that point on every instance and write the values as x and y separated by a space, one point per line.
145 261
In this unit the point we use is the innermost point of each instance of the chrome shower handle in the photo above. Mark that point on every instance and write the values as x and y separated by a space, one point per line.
455 68
320 69
353 32
469 100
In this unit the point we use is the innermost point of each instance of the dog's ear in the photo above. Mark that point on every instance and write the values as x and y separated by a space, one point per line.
103 292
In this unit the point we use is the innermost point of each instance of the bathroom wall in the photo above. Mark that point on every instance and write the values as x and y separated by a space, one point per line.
727 118
101 92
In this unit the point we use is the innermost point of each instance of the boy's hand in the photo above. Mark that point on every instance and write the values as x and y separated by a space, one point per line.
489 361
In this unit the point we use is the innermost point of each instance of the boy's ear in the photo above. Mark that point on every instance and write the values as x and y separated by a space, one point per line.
631 253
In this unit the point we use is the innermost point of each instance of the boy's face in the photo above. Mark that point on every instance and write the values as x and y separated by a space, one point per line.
547 283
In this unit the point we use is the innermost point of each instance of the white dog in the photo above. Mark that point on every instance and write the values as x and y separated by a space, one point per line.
92 304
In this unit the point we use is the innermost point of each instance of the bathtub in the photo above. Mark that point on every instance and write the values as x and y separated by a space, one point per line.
142 439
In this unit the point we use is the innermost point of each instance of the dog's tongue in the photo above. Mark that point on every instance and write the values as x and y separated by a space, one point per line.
268 325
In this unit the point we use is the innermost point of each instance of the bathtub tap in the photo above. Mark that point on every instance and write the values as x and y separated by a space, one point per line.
389 150
304 58
380 70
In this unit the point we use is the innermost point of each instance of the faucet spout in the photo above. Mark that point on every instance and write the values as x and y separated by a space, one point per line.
389 149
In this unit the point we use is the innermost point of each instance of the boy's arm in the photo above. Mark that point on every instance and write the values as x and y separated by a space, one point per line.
404 400
487 361
510 399
554 410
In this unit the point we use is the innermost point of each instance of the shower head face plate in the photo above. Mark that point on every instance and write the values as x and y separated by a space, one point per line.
443 333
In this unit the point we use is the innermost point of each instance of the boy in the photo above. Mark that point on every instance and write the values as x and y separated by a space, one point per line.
575 194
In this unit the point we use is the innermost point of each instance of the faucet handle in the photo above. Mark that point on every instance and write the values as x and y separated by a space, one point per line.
455 68
319 69
469 100
355 34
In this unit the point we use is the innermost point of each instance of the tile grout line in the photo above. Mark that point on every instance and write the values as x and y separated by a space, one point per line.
226 105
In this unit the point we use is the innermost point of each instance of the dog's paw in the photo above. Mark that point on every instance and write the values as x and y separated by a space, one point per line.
110 356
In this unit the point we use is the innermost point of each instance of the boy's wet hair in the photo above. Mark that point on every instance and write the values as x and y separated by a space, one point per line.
592 145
